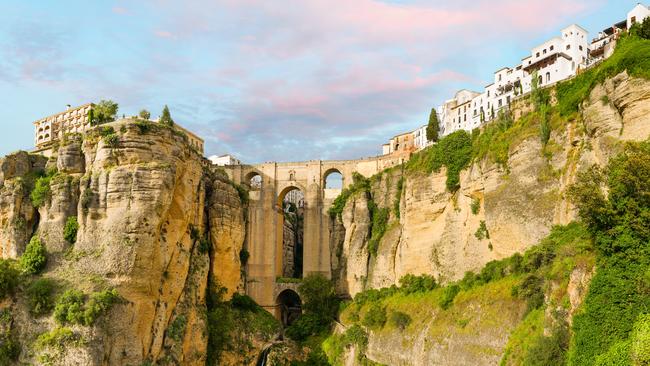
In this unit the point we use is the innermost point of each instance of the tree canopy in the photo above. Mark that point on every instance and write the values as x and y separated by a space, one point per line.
103 112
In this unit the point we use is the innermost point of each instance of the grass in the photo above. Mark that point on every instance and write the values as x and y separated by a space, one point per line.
632 54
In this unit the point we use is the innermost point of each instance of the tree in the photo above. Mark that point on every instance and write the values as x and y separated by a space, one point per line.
144 114
433 128
103 112
643 29
166 117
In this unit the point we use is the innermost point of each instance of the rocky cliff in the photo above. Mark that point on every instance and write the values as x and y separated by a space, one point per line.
502 206
511 206
153 224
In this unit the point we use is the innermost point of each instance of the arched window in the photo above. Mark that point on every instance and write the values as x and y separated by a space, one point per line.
548 77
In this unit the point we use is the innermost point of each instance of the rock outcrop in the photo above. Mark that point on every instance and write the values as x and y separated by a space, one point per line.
154 224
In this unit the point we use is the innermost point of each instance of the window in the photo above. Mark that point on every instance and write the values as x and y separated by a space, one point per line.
633 19
500 103
537 54
548 77
552 48
580 48
488 93
544 52
465 118
499 77
568 47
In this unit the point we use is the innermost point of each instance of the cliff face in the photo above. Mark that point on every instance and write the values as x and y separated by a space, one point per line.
153 224
436 231
499 210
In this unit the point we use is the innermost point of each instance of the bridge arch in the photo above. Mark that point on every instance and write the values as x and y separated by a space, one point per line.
291 232
253 180
289 306
333 178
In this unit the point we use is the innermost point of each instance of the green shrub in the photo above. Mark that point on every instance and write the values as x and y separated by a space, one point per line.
617 355
640 341
482 232
399 319
643 30
379 225
398 196
8 278
99 303
58 338
34 258
177 328
71 307
448 296
244 302
532 291
40 296
144 126
357 336
70 229
166 118
411 284
144 114
308 324
112 141
319 296
476 205
9 348
549 350
375 317
41 192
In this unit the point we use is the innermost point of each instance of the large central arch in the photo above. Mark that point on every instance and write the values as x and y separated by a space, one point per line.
290 236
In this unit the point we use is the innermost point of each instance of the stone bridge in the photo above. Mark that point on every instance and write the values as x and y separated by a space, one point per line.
266 218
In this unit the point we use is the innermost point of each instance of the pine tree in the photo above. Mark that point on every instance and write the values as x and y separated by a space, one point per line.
166 117
433 128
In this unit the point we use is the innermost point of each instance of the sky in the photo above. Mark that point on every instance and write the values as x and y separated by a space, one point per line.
282 80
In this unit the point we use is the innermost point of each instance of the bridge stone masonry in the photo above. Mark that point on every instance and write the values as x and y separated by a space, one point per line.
264 236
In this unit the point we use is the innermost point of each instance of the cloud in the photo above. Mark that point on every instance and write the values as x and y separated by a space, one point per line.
280 80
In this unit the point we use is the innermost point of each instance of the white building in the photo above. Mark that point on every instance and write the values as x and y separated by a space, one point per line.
420 140
637 15
458 112
223 160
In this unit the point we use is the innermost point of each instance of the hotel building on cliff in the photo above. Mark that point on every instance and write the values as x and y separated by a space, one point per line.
50 130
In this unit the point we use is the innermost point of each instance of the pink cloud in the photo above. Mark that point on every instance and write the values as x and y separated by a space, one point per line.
163 34
119 10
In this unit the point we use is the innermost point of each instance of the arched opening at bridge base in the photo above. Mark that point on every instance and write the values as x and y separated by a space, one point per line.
292 202
289 307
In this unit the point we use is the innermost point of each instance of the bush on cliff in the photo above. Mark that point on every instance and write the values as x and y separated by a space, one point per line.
72 307
34 258
40 295
70 229
8 278
620 223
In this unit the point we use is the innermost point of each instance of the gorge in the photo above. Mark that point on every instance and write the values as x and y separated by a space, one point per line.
127 247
